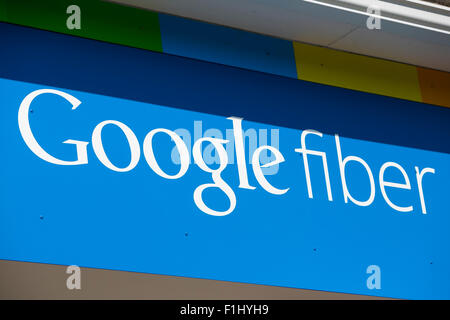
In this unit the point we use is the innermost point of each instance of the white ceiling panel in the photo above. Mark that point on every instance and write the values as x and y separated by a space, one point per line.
302 21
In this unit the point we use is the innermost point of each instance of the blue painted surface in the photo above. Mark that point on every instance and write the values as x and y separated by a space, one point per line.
213 43
113 70
139 221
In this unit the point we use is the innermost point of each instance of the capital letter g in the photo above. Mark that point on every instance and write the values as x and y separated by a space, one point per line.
27 135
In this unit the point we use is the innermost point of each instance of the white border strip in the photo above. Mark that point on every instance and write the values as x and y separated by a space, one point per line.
378 16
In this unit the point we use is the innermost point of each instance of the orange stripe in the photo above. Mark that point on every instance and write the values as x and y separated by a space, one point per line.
434 86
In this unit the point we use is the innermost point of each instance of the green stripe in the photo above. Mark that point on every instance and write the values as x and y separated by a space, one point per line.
100 20
2 11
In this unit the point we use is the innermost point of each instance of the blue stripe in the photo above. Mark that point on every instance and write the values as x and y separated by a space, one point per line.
213 43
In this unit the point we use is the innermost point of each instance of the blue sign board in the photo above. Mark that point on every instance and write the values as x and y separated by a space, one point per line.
111 181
